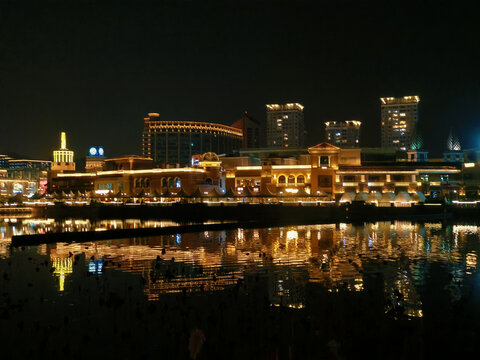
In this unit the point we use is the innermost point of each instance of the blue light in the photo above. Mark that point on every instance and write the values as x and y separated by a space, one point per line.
96 151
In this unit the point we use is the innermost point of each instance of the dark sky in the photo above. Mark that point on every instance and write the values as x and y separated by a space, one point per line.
94 69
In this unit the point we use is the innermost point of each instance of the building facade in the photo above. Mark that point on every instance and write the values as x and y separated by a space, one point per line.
285 125
338 173
174 142
324 173
345 134
138 180
23 176
399 118
252 131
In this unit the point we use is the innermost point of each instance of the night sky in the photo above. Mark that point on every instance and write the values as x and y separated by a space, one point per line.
94 69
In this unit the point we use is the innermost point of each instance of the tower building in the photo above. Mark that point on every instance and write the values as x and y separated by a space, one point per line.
63 158
344 134
399 121
285 125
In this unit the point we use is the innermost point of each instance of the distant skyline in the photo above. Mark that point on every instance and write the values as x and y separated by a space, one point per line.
95 68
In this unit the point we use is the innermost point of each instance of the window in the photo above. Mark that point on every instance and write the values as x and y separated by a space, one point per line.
178 183
281 179
164 182
324 161
324 181
147 183
170 182
300 179
291 180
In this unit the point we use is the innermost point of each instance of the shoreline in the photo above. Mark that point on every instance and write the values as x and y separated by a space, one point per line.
191 218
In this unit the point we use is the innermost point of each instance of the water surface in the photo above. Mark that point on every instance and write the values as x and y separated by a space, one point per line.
284 292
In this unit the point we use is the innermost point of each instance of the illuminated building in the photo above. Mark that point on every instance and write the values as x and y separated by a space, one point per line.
324 173
329 171
63 158
399 117
345 134
35 172
174 142
95 159
251 131
285 125
25 177
4 161
146 182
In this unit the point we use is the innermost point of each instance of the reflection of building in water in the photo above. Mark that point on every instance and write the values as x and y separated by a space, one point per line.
402 298
341 256
95 266
287 287
61 268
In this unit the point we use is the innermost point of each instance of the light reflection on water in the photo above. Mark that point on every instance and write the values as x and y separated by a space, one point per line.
337 256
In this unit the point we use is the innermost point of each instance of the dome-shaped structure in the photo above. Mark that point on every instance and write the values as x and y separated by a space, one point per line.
347 197
210 156
374 197
402 197
361 196
418 197
387 197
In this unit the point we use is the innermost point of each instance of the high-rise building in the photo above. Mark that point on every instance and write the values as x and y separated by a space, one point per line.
344 134
63 158
399 121
174 142
251 131
285 125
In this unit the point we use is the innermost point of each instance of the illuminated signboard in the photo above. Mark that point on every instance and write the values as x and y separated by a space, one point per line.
96 151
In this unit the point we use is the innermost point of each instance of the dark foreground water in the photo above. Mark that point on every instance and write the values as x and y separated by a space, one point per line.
382 290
